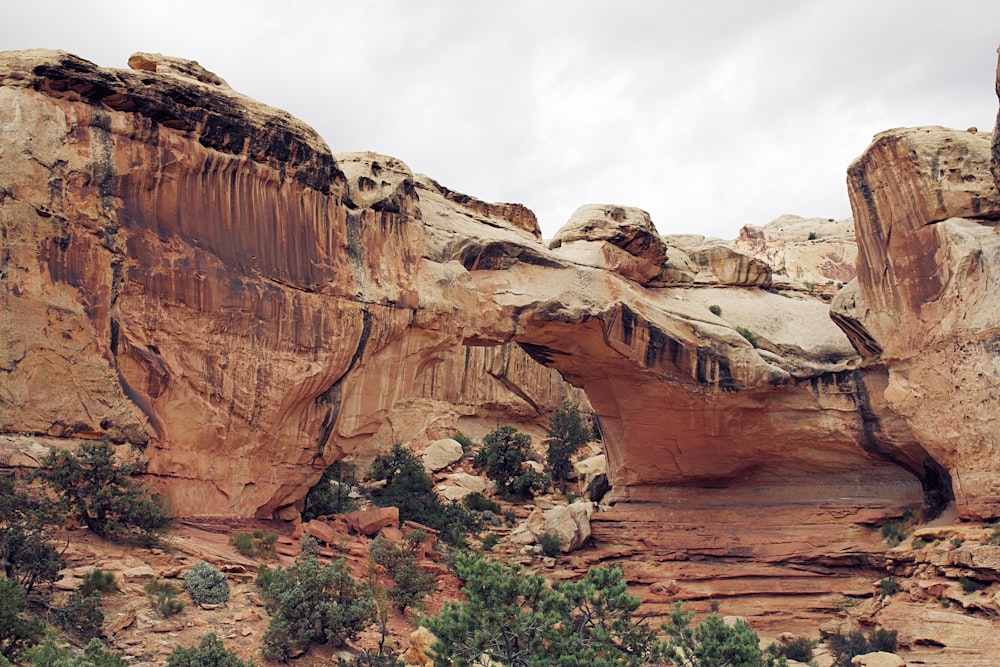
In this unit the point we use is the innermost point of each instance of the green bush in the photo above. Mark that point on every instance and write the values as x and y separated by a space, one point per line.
490 541
477 502
845 647
970 585
92 484
794 648
889 586
918 543
26 551
551 545
95 654
715 310
565 435
257 544
331 494
210 652
412 583
465 441
749 335
503 457
371 659
98 581
163 595
244 544
82 614
510 617
893 532
206 584
17 630
408 487
312 603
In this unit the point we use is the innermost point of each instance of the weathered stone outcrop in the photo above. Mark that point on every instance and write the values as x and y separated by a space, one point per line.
196 274
808 250
924 305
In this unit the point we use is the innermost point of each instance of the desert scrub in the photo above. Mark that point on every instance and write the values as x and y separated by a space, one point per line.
888 586
749 335
206 584
256 544
163 596
715 310
551 545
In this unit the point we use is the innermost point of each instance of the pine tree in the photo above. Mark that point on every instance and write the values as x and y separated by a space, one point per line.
566 435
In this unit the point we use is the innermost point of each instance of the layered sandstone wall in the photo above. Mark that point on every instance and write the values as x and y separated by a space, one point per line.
196 274
924 306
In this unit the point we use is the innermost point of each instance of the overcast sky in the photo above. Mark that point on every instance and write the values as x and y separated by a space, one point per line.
708 114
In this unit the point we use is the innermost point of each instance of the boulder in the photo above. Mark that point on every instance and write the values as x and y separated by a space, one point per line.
878 659
441 454
323 532
369 522
616 238
471 482
418 654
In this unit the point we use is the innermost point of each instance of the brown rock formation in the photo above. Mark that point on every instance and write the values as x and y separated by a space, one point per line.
924 306
194 273
813 250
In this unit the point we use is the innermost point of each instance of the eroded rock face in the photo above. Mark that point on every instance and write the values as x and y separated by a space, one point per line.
924 306
808 250
197 274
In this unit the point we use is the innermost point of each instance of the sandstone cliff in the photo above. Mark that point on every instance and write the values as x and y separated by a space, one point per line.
197 275
924 304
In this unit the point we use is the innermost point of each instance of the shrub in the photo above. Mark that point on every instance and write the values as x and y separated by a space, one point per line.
812 236
794 648
845 647
881 639
918 543
26 553
243 543
889 586
331 494
749 335
957 542
477 502
712 642
17 631
98 581
163 596
206 584
210 652
551 545
511 617
408 487
565 435
255 545
412 583
95 654
490 541
82 614
715 310
893 532
502 458
970 585
465 441
91 483
312 603
371 659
